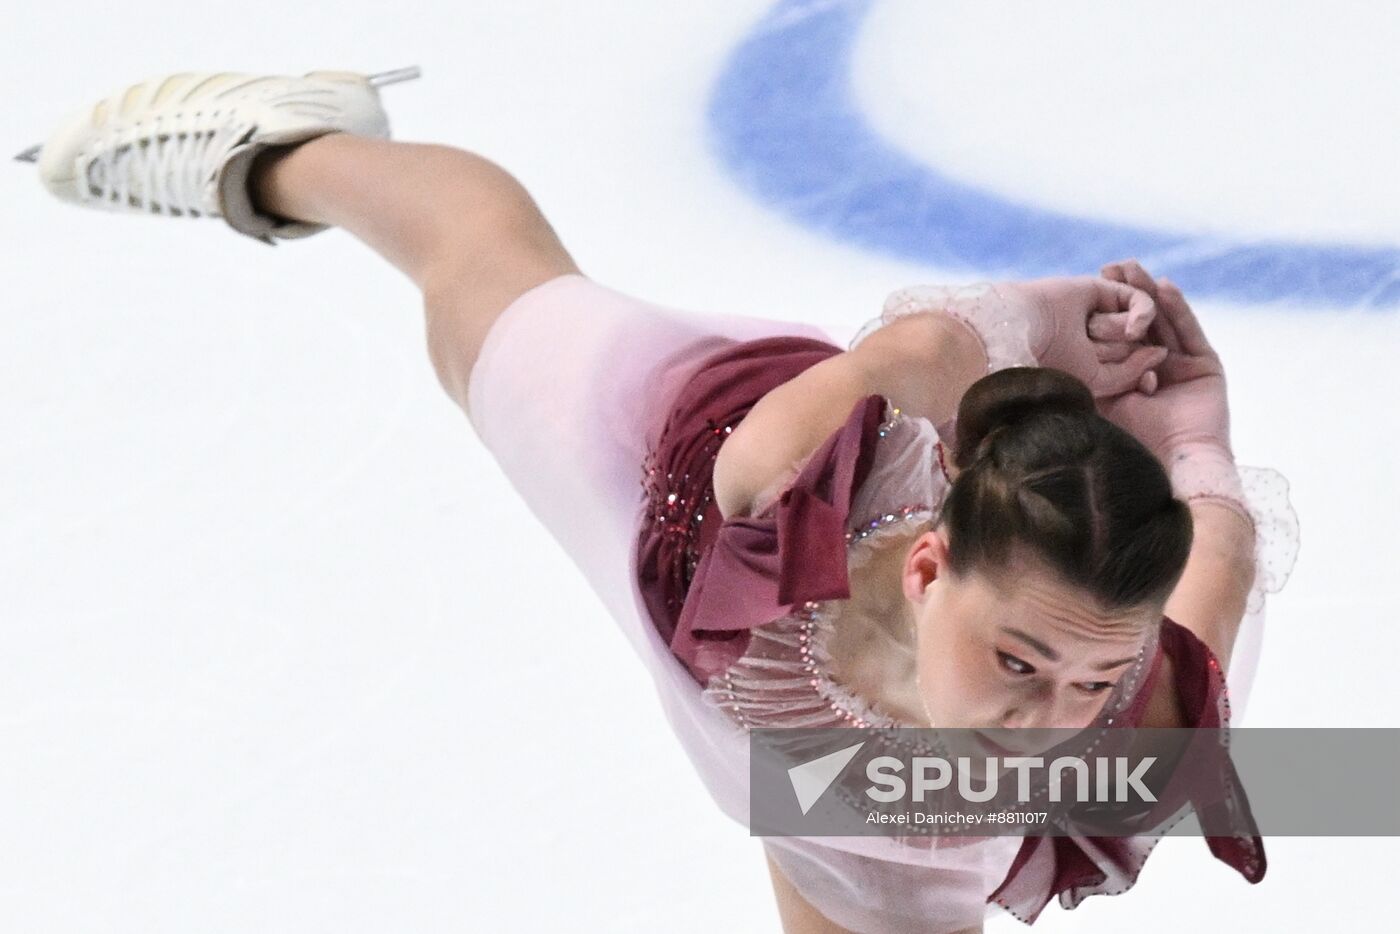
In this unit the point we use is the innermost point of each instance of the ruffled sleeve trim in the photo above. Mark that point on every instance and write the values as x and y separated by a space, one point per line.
1000 318
1276 528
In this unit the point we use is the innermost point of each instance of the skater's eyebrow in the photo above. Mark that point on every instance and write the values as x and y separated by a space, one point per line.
1054 656
1034 643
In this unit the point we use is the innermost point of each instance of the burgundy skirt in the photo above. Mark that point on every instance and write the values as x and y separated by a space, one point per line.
682 519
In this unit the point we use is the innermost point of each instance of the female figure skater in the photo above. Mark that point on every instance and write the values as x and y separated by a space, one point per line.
1008 505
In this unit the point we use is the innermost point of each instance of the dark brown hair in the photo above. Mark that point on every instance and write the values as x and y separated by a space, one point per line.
1042 471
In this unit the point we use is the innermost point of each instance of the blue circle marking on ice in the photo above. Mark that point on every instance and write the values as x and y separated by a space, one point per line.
784 122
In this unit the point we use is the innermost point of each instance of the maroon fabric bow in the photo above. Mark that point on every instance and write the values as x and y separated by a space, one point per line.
740 571
759 568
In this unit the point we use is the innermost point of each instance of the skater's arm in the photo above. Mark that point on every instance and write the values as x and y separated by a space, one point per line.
1211 595
1209 599
794 419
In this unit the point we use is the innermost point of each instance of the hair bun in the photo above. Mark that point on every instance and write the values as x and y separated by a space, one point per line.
1002 399
1045 476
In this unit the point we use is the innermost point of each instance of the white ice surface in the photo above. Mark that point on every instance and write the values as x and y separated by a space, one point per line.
264 662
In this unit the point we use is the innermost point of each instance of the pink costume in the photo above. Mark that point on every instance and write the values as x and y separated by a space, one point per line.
607 412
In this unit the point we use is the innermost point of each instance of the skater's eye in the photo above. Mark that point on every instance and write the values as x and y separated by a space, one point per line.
1096 687
1013 664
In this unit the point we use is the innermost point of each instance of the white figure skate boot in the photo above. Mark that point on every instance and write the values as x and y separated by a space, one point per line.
183 144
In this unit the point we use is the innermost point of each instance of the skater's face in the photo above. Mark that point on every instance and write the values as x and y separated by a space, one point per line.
1017 650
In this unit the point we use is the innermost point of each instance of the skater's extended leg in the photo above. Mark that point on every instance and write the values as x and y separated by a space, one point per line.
462 228
281 157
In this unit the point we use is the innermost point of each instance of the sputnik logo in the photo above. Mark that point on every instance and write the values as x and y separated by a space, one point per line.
811 779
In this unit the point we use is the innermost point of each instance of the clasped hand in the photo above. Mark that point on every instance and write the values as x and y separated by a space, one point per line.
1189 409
1136 343
1094 328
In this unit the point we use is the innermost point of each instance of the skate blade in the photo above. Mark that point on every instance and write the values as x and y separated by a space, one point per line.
31 154
393 77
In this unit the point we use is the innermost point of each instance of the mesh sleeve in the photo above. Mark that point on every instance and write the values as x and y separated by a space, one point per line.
1276 545
1000 317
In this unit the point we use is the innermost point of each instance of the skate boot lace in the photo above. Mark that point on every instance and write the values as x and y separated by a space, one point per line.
164 171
